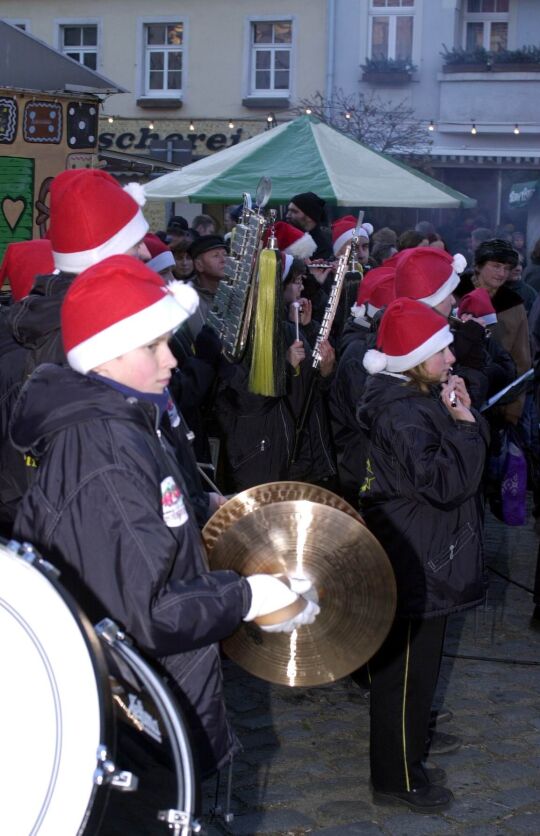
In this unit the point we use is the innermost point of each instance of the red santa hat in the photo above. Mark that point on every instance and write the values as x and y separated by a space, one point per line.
292 240
375 291
344 229
93 217
478 304
116 306
161 256
428 274
22 262
410 332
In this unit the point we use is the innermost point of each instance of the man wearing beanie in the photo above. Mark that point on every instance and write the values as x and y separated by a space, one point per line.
306 212
109 506
91 217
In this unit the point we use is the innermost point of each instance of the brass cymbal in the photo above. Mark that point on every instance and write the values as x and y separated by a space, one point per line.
249 500
349 570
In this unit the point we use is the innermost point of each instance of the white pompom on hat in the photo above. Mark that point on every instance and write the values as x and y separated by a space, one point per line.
116 306
428 274
344 229
410 332
93 217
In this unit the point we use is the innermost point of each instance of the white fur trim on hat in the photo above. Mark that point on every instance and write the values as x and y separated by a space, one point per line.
345 237
304 247
437 341
126 238
364 310
161 261
375 361
445 290
288 264
166 314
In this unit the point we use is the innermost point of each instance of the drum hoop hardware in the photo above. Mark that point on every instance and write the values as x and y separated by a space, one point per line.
179 818
27 552
182 822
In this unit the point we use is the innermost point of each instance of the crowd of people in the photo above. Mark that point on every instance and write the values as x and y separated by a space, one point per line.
123 426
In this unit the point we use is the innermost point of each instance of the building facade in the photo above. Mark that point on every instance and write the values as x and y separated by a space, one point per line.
205 74
461 66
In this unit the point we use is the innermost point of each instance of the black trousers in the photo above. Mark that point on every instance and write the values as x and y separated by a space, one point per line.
404 675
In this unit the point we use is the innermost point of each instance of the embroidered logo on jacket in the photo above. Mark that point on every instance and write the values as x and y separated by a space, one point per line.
172 503
369 478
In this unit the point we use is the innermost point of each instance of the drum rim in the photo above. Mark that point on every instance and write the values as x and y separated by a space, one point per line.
97 800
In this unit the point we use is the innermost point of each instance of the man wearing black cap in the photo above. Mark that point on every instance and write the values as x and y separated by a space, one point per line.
208 253
306 211
177 230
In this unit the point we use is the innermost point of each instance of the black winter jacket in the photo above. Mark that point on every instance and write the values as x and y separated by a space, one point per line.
345 394
109 508
421 496
258 432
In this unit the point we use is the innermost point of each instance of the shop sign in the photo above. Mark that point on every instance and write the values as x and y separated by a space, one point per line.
521 194
140 139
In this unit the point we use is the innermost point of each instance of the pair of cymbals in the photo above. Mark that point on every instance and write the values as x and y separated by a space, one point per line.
301 530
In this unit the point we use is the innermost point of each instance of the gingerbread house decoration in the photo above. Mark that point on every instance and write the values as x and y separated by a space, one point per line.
49 115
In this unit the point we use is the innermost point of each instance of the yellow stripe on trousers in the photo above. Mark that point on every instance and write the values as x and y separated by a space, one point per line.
404 708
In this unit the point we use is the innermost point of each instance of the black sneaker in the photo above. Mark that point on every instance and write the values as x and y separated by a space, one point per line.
440 743
435 774
428 799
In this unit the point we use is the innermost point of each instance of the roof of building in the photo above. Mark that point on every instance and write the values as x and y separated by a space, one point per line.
27 63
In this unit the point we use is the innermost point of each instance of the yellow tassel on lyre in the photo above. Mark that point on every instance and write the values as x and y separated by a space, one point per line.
262 377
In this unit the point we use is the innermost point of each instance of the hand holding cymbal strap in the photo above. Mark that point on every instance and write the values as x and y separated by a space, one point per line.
275 607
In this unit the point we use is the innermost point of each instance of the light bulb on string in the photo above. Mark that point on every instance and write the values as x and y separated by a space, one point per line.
110 120
431 126
231 124
516 129
151 126
191 126
308 111
473 129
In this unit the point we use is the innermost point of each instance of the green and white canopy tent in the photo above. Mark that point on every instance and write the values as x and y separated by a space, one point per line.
306 155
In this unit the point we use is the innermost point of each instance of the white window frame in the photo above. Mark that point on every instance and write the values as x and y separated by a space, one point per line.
486 18
392 13
143 77
249 74
60 24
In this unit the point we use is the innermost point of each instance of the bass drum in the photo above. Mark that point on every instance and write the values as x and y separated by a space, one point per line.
85 719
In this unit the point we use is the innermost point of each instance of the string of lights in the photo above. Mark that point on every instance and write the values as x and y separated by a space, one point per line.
271 121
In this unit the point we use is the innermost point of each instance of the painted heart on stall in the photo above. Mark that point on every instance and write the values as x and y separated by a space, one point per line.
13 211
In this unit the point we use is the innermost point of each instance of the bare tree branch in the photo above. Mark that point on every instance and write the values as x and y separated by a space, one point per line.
382 125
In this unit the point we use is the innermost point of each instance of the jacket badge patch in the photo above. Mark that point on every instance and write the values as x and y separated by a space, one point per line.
172 502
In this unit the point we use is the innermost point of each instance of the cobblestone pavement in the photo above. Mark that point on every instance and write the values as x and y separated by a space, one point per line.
304 768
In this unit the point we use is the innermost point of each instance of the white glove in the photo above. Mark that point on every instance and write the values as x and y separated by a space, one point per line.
268 594
307 616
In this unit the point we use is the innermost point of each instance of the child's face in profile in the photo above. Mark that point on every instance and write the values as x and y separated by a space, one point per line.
146 369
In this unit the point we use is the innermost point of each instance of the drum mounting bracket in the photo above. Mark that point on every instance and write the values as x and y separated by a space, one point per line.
179 819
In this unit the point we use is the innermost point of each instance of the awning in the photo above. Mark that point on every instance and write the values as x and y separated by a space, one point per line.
521 194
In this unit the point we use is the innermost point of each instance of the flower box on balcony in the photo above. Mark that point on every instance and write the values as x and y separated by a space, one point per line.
387 71
386 76
524 67
466 68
